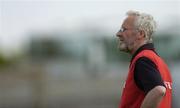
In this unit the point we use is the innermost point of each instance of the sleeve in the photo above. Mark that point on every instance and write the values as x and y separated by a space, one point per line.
146 74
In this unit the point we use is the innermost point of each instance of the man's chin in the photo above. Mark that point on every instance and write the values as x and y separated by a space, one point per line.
122 48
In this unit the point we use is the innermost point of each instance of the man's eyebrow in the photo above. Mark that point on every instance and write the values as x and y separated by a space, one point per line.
124 27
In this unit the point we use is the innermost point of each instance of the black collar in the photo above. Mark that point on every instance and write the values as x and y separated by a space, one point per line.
148 46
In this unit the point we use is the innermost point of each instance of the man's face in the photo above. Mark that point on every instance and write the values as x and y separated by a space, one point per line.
127 35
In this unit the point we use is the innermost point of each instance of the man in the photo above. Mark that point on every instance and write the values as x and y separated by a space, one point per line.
149 83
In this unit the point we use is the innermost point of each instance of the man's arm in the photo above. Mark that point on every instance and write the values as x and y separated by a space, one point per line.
153 97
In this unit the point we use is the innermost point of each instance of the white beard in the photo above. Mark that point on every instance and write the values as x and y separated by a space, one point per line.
122 46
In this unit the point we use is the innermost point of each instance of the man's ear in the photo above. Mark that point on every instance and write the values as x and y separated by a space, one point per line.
141 34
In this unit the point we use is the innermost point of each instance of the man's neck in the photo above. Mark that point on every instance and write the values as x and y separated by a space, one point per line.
137 47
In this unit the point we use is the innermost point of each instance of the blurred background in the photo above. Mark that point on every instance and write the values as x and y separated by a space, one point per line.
63 53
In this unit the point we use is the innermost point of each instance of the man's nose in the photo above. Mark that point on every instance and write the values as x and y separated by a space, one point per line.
118 34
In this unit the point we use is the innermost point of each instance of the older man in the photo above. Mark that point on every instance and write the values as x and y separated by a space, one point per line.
149 83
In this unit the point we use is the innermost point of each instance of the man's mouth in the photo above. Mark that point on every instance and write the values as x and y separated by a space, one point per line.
121 39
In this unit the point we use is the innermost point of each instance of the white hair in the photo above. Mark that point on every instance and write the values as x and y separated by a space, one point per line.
144 22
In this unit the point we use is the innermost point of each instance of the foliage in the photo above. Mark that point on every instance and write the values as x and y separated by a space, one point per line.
4 61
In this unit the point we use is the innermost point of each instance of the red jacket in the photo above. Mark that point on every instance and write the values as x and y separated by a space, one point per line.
132 96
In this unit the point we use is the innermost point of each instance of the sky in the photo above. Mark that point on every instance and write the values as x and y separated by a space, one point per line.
18 18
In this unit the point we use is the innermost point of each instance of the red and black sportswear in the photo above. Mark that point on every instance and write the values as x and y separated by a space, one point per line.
133 94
